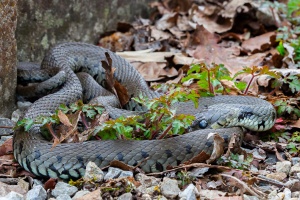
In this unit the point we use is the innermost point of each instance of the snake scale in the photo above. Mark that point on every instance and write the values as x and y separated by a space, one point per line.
68 160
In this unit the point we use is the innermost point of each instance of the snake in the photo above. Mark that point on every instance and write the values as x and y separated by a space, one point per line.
72 71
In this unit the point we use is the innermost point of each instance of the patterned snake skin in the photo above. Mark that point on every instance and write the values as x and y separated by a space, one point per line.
69 160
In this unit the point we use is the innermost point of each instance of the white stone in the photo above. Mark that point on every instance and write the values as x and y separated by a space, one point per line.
36 193
284 166
169 188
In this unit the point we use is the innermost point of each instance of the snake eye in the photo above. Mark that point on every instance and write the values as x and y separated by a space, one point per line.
203 124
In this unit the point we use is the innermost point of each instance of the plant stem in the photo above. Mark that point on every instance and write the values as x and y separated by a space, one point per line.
165 132
84 120
249 83
49 126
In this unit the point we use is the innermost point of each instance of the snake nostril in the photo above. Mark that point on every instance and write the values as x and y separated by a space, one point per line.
203 124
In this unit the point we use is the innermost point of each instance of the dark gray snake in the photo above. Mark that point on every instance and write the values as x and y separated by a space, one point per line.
69 160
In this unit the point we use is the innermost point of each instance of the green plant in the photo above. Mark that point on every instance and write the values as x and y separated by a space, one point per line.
208 78
236 161
293 145
288 106
288 37
160 119
185 178
254 72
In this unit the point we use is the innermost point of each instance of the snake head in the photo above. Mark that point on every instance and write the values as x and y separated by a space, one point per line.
214 117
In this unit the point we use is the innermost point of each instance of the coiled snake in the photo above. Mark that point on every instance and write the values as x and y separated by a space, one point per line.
67 161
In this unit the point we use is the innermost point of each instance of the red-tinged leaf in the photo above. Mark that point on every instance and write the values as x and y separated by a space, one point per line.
279 120
50 184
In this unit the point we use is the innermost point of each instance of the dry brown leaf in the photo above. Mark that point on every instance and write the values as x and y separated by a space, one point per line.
200 158
153 71
6 147
210 21
296 124
122 93
202 36
230 85
63 118
121 165
158 34
167 21
260 43
117 41
218 149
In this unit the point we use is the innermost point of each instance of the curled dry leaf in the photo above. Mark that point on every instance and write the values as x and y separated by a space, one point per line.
218 149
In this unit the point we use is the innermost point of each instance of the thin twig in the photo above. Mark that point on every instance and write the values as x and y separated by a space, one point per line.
246 187
10 127
165 132
191 165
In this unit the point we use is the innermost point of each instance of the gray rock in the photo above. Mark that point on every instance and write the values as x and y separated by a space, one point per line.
169 188
189 193
295 169
36 193
271 160
23 105
16 115
12 196
287 194
125 196
199 172
93 172
6 122
41 25
4 138
295 160
146 197
112 173
37 182
296 194
247 197
284 166
64 188
126 174
80 194
279 176
63 197
147 181
160 197
272 195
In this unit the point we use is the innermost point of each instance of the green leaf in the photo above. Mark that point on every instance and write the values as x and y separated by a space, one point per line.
294 83
28 124
280 48
90 113
240 85
281 110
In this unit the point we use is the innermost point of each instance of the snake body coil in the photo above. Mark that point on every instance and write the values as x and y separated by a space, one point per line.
67 161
